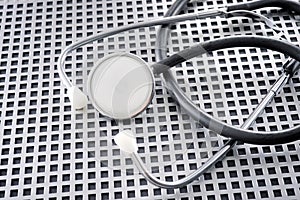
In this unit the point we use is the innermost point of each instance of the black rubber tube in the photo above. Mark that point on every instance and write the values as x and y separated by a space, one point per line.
247 136
289 5
174 9
228 42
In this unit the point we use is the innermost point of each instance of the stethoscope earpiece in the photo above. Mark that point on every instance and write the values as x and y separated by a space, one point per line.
77 98
126 141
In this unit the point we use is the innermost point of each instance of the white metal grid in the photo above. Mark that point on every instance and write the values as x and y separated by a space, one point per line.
49 151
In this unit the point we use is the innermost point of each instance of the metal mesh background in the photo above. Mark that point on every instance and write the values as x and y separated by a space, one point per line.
50 151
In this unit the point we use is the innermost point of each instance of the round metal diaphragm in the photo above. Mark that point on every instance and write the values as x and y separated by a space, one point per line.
121 85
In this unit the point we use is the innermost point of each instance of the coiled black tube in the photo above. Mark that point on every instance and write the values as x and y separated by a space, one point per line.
253 137
228 42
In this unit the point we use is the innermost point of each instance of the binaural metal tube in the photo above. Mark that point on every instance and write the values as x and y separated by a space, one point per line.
163 21
186 180
275 89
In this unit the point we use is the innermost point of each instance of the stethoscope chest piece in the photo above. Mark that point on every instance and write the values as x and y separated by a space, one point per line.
120 85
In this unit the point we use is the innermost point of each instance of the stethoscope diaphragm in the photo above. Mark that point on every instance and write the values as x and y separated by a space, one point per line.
120 85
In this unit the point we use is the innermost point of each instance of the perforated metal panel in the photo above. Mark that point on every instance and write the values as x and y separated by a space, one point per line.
50 151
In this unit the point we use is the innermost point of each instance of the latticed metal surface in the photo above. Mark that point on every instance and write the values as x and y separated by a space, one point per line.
50 151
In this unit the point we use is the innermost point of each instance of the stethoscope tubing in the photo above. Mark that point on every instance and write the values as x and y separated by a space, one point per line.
221 128
162 38
278 137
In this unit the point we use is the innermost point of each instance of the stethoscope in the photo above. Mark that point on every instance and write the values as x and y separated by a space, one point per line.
121 85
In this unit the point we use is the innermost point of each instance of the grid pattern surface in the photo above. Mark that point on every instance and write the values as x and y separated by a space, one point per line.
50 151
